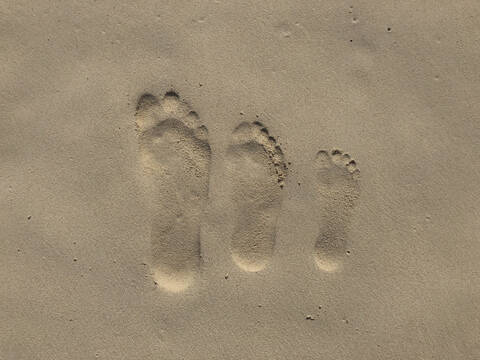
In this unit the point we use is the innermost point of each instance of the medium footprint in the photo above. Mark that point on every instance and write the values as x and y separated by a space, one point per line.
257 171
338 187
175 157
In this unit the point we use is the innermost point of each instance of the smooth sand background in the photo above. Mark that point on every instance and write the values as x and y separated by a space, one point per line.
74 278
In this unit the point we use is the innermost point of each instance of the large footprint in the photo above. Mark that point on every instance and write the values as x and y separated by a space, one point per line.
175 157
338 187
257 171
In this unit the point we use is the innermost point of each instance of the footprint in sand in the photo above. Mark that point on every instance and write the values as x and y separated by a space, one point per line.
338 188
175 158
257 171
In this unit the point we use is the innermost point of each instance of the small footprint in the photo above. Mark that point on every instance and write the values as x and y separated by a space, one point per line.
257 170
175 157
338 188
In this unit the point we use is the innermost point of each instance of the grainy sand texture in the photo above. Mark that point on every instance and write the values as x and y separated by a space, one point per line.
239 180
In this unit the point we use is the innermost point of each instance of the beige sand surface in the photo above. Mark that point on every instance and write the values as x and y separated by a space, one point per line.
174 180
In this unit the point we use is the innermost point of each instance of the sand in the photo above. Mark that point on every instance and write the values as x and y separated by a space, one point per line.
239 180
